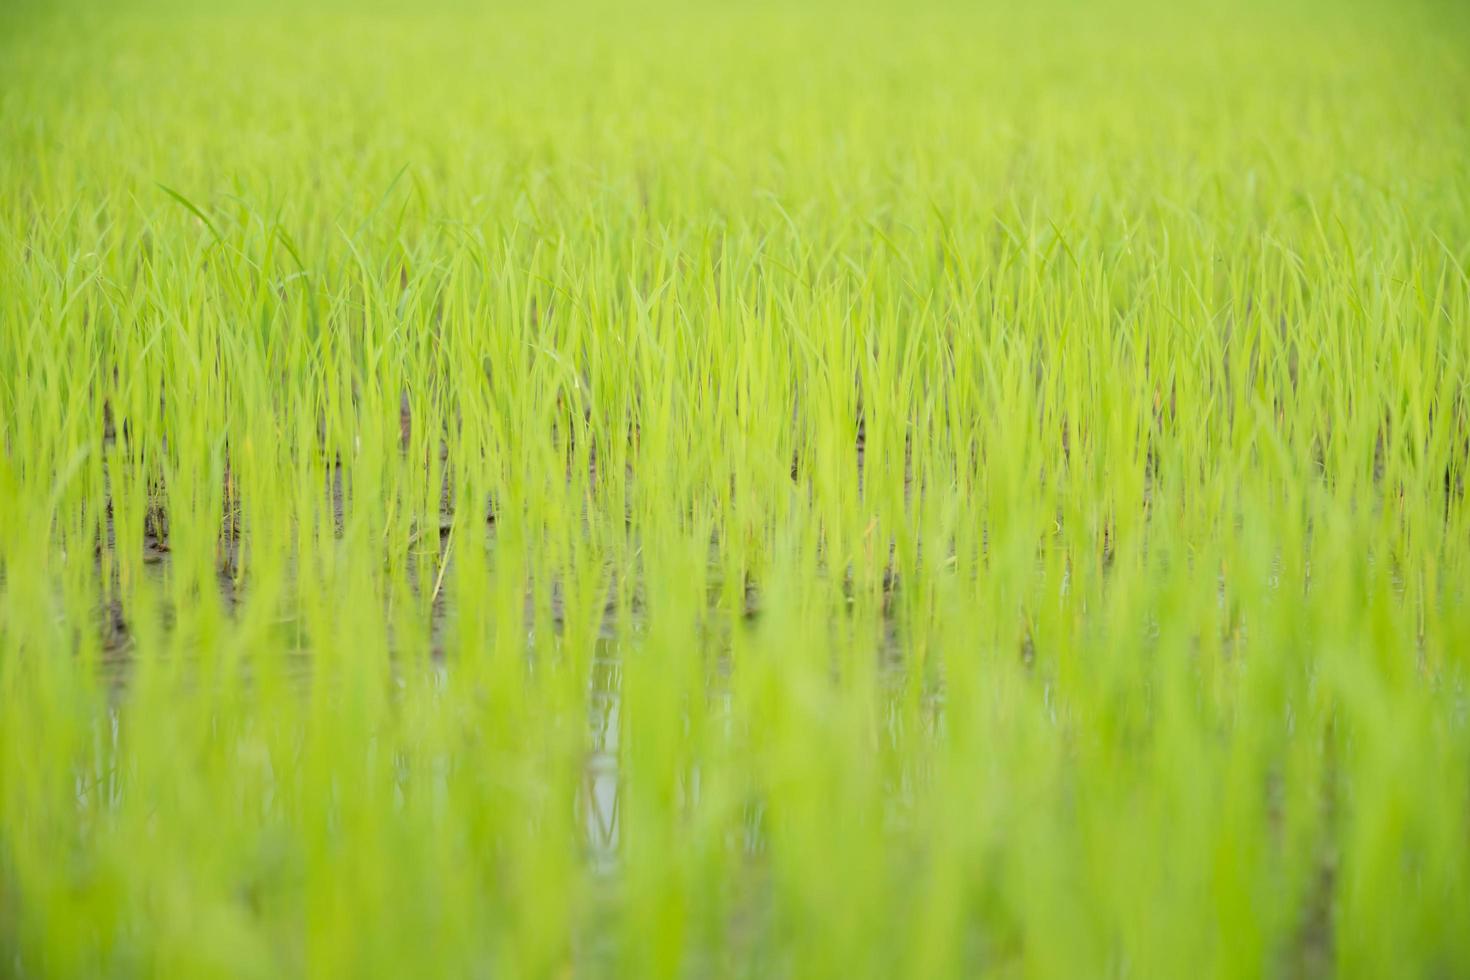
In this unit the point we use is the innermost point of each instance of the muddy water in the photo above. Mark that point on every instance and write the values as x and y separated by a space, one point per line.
601 778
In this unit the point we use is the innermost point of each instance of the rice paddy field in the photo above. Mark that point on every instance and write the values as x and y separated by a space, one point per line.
734 490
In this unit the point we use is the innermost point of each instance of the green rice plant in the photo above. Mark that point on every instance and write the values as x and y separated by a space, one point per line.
734 490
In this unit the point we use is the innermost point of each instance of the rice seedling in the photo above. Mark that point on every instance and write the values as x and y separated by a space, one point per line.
734 490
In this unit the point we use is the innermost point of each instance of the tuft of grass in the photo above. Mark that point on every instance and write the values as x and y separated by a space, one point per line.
903 490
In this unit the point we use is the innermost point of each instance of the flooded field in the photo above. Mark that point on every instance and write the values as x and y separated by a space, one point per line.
746 491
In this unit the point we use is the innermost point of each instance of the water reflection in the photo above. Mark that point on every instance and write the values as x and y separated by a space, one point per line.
601 789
